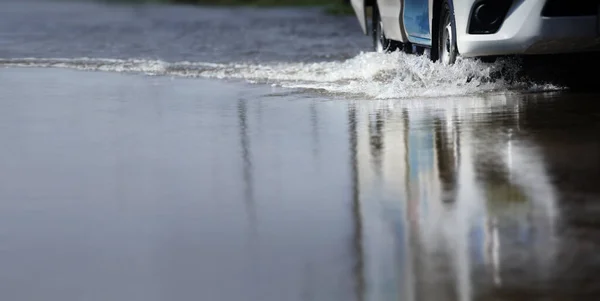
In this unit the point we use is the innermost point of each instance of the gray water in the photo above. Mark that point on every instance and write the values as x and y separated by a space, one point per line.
73 29
181 153
303 49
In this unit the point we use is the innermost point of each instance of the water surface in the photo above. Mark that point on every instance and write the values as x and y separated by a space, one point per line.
178 153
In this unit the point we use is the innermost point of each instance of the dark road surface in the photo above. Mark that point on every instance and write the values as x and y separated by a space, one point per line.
269 166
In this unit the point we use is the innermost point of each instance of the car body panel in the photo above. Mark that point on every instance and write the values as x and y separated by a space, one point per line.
390 11
526 31
359 10
417 21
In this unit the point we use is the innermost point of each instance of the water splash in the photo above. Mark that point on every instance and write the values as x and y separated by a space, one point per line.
372 75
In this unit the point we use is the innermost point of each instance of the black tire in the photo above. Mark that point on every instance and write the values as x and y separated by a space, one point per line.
406 47
445 50
380 42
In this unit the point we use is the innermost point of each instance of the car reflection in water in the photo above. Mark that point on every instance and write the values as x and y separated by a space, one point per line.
453 199
452 206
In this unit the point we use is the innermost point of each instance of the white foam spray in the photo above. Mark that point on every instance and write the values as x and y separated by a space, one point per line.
371 75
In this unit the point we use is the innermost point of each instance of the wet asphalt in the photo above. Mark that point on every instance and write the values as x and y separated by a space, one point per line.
134 187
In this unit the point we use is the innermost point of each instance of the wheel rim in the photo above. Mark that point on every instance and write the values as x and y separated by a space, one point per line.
446 44
379 37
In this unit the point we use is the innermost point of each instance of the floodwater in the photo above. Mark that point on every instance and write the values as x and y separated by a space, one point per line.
175 153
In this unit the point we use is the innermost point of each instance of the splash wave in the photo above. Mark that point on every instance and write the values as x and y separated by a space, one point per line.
373 75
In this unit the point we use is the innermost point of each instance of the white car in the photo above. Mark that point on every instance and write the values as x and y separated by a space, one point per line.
479 28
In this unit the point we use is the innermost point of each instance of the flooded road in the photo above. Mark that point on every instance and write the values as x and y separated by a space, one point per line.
161 163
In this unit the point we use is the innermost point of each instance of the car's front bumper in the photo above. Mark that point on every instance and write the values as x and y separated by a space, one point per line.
526 31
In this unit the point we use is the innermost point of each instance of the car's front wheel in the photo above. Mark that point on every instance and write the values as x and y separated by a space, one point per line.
446 44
